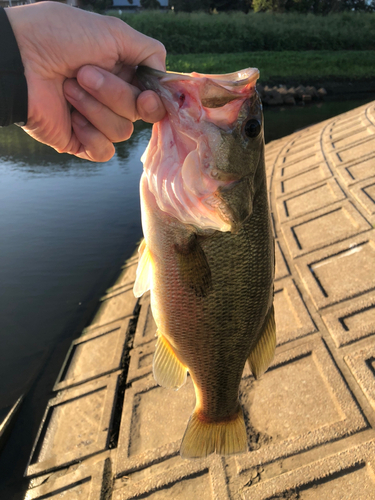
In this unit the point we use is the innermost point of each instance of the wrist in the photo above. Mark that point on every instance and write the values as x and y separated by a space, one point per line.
13 85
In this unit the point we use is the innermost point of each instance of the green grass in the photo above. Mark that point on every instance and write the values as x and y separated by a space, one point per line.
283 66
238 32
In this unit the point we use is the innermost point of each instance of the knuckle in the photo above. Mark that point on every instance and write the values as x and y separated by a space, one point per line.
115 23
68 148
102 154
123 132
95 108
107 153
161 49
122 101
121 94
129 132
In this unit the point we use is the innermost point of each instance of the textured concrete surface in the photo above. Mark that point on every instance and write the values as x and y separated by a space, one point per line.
111 432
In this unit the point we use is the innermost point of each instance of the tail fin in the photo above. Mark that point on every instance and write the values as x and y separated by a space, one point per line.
203 438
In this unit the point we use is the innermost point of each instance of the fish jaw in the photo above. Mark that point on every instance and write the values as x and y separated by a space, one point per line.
215 90
188 160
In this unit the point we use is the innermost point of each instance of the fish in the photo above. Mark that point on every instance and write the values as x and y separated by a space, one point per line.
207 256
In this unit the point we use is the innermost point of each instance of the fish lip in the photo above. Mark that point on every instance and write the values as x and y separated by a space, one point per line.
152 79
235 79
148 78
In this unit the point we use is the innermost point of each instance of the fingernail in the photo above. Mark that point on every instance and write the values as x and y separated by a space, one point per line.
152 103
73 90
79 120
91 78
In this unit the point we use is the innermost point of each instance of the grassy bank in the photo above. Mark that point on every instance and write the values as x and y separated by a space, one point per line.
280 67
238 32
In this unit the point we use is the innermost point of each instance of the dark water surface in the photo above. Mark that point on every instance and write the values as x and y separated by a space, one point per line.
66 226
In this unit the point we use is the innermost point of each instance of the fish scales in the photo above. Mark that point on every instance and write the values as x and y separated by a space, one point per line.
211 289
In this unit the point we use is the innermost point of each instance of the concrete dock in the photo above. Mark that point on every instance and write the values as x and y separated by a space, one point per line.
111 433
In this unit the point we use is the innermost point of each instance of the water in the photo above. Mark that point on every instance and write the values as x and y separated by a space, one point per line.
279 122
65 224
66 227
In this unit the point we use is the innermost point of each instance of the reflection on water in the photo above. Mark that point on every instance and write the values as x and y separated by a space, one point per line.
66 227
19 151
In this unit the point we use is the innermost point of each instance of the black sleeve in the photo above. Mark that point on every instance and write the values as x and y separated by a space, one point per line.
13 85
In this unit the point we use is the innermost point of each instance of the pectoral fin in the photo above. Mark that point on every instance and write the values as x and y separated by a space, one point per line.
168 371
264 350
143 277
194 268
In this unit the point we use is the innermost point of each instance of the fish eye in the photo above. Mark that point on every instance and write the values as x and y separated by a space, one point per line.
252 128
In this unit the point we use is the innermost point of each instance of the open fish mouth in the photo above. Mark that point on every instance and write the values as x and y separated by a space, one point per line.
198 153
215 90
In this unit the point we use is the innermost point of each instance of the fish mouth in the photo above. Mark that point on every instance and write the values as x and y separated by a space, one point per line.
183 163
217 88
149 78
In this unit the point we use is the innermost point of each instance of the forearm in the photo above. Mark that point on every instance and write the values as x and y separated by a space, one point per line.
13 86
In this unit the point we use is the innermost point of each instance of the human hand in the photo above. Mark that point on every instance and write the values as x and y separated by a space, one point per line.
87 60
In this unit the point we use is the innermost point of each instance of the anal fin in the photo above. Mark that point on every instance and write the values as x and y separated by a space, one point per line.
168 371
226 437
263 352
143 278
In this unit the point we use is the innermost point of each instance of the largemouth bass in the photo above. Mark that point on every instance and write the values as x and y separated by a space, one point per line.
208 254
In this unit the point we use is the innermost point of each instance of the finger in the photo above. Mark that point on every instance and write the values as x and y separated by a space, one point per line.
87 142
110 90
134 48
114 127
149 106
120 96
